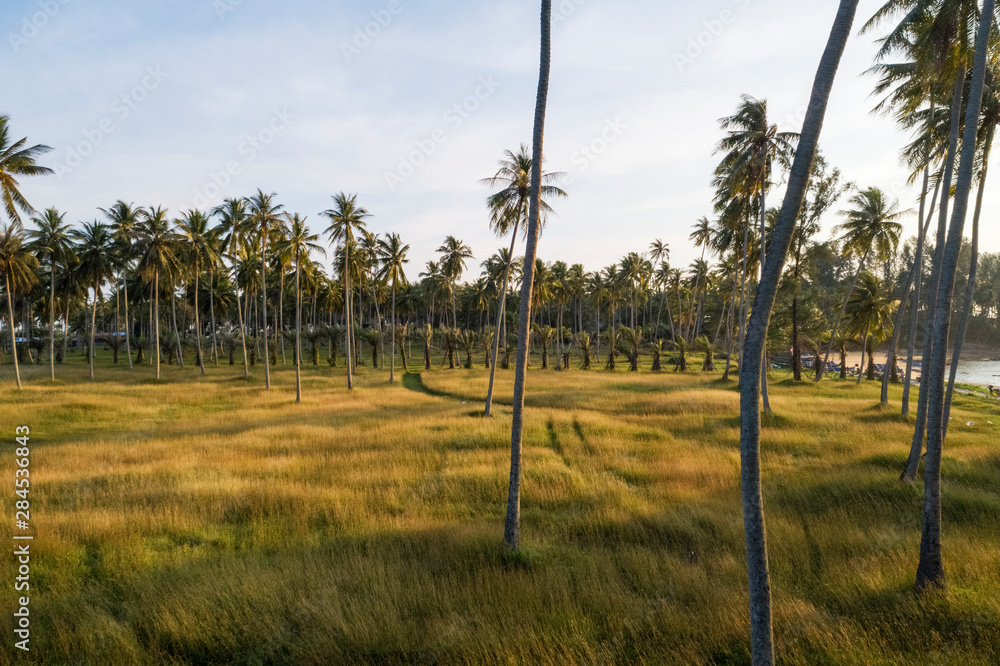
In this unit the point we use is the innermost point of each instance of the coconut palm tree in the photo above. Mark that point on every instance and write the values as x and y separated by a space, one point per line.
512 524
124 220
392 253
196 239
95 242
265 217
299 243
761 635
17 264
454 254
869 312
870 229
234 229
346 220
16 161
158 255
51 239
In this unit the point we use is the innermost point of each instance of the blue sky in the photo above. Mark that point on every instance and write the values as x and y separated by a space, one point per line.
409 103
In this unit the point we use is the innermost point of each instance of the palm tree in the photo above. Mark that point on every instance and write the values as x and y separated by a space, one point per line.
761 635
392 253
701 237
234 228
197 237
124 220
869 313
512 524
15 161
17 263
51 239
346 219
96 254
453 257
509 211
264 216
299 243
870 227
659 254
157 255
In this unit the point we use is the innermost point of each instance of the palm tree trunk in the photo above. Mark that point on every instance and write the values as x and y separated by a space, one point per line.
501 312
13 337
93 327
864 349
65 344
128 327
298 333
512 527
243 332
173 317
930 570
917 444
156 317
392 341
211 309
840 317
761 636
279 330
52 322
970 287
197 320
347 313
263 306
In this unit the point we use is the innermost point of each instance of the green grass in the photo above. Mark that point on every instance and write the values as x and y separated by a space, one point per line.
204 520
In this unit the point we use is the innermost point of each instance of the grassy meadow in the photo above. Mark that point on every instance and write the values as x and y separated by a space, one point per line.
204 520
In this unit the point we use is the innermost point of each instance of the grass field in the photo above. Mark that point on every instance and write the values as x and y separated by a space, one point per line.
204 520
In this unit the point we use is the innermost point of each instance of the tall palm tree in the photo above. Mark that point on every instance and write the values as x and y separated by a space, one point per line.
509 211
51 239
871 228
869 312
454 254
347 219
17 264
930 570
392 253
157 244
299 243
234 228
761 634
264 215
124 220
96 253
194 233
701 237
15 161
512 524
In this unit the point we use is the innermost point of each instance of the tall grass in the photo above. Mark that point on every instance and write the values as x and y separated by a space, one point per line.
204 520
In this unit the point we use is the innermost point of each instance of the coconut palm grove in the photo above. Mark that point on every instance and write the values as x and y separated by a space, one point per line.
245 433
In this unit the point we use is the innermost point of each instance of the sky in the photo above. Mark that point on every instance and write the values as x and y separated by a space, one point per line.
409 103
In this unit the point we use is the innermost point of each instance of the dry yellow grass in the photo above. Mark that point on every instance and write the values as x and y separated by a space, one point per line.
204 520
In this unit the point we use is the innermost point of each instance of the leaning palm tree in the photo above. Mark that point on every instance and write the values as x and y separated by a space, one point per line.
51 239
392 253
264 215
15 161
96 252
347 218
509 212
299 243
512 524
870 229
196 237
17 264
158 255
752 357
